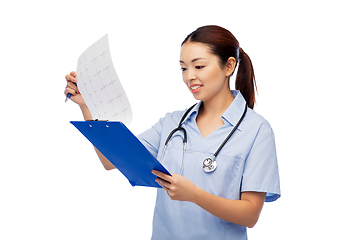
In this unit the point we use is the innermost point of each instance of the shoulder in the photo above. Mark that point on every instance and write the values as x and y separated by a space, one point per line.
255 121
172 118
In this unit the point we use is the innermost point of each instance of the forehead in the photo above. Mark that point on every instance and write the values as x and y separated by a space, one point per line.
190 51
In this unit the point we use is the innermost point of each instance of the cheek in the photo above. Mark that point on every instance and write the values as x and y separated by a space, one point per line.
219 72
214 76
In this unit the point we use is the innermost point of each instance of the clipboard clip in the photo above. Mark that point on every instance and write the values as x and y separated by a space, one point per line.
96 120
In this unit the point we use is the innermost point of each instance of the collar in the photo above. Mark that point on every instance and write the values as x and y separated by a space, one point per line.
232 114
194 111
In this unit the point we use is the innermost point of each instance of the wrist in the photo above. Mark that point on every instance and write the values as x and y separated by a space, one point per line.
197 195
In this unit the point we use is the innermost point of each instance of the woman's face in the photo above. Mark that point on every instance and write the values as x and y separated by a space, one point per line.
202 73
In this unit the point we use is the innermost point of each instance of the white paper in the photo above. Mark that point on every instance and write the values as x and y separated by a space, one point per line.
100 86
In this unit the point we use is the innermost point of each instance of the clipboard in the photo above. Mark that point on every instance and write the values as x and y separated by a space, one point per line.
117 143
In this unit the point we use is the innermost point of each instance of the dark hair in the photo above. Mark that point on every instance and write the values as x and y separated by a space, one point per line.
222 43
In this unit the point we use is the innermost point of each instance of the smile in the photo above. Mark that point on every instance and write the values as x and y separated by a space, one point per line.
195 87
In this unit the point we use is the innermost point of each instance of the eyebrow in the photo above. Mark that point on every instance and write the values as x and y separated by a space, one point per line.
194 60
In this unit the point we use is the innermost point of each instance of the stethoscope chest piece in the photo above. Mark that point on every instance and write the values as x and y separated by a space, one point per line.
209 165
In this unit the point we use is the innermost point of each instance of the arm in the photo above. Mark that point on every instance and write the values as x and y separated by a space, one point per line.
105 162
77 98
245 211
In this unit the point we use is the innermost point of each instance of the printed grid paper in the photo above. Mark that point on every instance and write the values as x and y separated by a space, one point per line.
100 86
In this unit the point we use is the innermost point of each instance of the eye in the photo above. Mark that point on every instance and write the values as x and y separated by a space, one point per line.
183 69
199 67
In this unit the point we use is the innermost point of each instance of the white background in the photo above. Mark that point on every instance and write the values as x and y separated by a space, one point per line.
306 60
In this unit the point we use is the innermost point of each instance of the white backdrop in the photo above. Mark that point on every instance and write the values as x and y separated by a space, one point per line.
306 60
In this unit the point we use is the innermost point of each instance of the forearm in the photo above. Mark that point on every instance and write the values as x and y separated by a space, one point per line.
105 162
243 212
86 112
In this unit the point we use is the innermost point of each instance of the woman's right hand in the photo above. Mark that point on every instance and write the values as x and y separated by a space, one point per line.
73 89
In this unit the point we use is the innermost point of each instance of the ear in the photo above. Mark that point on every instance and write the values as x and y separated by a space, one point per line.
230 66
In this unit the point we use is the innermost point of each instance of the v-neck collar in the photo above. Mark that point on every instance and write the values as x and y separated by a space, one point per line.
231 115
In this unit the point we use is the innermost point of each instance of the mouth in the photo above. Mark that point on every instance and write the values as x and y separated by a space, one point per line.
195 88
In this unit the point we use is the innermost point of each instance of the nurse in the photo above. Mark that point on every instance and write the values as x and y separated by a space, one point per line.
221 204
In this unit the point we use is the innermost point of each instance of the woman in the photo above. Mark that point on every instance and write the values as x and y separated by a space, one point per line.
218 203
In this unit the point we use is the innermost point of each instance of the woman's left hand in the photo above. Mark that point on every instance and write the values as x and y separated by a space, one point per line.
177 187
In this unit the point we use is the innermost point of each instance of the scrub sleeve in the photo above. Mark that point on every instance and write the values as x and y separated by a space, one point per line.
261 172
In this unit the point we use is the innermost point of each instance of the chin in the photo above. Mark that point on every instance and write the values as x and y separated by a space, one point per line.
197 97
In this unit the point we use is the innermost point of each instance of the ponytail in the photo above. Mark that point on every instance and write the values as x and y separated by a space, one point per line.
245 79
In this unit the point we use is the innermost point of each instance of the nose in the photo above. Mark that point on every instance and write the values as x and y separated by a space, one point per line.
190 75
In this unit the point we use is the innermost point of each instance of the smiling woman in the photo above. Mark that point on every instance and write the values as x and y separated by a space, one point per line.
228 198
216 202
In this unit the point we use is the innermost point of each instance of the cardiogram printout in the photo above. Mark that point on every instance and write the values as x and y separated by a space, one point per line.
100 86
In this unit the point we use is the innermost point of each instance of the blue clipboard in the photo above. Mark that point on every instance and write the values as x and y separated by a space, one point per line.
117 143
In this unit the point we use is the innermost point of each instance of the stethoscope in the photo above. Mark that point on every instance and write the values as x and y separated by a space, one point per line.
209 164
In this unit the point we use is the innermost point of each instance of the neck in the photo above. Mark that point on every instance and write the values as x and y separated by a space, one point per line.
216 106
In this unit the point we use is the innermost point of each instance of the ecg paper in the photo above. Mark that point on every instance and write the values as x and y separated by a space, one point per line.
100 86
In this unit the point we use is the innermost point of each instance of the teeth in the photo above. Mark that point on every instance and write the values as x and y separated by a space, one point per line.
195 87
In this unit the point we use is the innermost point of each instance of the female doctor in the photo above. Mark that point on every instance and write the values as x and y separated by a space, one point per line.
228 167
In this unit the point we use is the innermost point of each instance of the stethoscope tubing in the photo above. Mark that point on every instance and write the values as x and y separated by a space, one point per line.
207 166
231 133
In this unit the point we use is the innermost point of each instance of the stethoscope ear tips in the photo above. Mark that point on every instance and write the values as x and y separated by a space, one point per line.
209 165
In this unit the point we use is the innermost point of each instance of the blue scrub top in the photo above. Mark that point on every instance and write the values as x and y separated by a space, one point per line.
247 162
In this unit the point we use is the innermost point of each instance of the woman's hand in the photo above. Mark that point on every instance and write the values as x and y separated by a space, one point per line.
73 89
76 96
177 187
